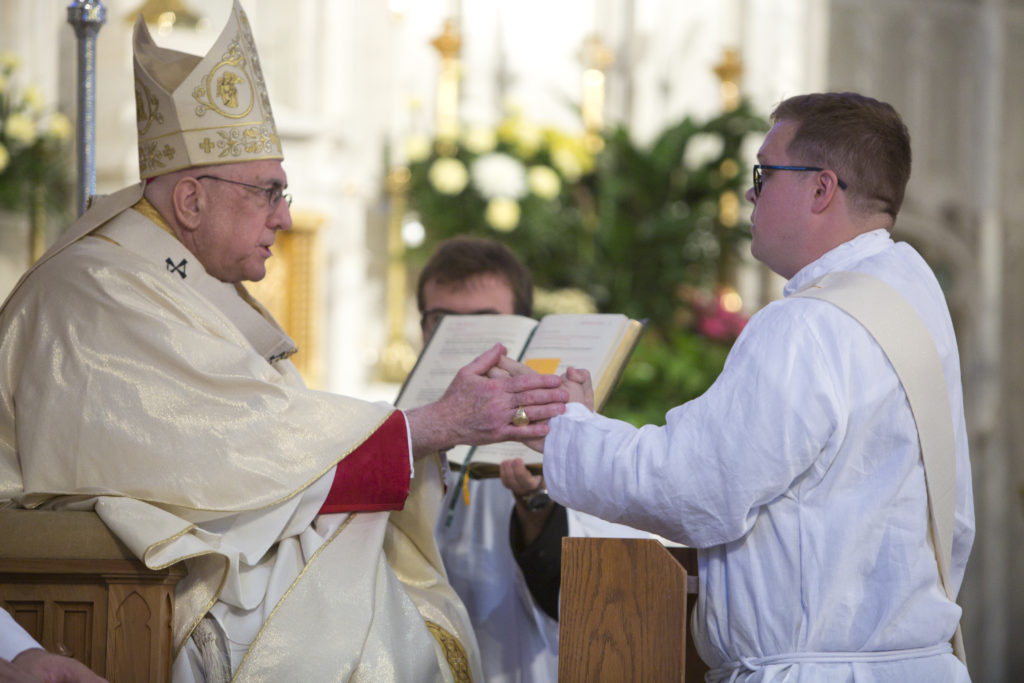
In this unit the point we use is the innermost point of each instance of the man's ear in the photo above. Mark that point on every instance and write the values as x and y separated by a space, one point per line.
825 188
188 200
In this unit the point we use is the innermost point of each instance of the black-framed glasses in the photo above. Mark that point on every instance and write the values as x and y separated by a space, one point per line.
759 177
274 194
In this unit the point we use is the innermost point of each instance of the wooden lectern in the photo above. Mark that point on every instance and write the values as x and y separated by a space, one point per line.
79 591
623 612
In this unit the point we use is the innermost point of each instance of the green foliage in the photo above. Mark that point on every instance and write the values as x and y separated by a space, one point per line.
664 373
550 229
669 217
639 229
34 147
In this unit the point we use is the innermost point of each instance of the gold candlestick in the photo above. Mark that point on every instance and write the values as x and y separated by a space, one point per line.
729 71
596 58
398 357
448 44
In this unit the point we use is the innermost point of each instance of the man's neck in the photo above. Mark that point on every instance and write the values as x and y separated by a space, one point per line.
146 208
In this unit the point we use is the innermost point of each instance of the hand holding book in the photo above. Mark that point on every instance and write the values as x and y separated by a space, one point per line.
475 409
601 343
575 380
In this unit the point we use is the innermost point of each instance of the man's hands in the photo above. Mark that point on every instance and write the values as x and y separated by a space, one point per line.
40 666
518 479
521 482
581 390
478 408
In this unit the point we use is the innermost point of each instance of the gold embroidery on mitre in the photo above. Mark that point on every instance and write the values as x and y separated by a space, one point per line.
238 141
147 108
458 662
151 157
195 110
222 83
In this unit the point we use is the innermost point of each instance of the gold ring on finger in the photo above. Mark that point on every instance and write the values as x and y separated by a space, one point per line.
520 419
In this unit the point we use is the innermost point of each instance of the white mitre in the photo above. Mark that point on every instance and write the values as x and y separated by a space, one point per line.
198 111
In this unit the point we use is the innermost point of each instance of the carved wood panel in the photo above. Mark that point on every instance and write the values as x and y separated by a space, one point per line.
114 616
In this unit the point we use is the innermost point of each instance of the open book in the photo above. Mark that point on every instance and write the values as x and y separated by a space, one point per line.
599 342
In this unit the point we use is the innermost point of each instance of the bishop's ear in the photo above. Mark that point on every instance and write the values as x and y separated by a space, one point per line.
188 198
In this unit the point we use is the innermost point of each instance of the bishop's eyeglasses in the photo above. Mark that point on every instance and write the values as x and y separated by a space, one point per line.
759 176
274 194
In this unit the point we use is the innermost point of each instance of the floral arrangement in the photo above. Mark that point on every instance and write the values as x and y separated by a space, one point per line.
518 182
652 231
34 146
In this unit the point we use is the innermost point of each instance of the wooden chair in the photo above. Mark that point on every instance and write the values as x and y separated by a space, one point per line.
624 610
79 591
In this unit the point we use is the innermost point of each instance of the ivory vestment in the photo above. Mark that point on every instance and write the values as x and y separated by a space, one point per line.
168 404
518 640
798 476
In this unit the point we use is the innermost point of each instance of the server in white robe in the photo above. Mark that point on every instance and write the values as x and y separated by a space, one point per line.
798 475
139 379
502 552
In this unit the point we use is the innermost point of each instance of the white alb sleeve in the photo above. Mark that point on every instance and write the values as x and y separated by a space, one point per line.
13 638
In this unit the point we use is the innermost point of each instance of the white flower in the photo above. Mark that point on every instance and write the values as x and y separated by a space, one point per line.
417 147
448 176
567 162
503 214
543 181
480 140
528 138
499 175
5 158
9 60
59 127
32 96
413 232
568 300
702 149
20 128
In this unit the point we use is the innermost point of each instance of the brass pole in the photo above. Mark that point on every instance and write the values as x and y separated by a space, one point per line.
398 357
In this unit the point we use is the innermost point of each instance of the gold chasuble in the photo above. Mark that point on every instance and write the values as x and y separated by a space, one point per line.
134 383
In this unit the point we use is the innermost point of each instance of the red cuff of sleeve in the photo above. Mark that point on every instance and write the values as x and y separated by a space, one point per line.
376 475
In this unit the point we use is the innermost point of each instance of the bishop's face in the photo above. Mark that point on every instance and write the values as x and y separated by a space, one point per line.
240 222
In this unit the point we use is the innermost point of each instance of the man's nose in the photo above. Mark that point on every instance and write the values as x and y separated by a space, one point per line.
751 197
281 217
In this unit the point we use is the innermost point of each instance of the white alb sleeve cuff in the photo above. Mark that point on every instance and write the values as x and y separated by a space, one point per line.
13 638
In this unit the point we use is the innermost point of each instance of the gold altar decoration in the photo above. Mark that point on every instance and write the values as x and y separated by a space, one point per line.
448 44
291 291
165 15
596 58
729 71
399 357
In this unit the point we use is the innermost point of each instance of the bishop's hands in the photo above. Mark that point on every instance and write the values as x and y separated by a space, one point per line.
39 666
480 405
575 381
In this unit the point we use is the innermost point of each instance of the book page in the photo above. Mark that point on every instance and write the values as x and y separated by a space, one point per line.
585 341
457 340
